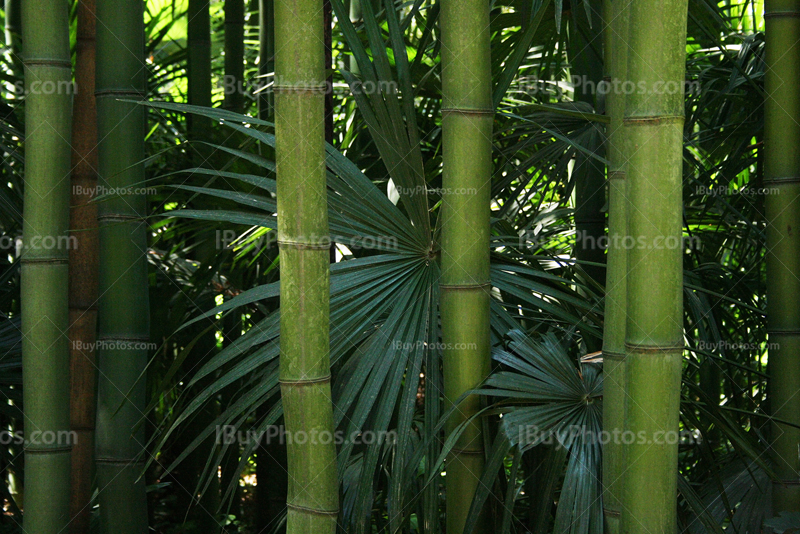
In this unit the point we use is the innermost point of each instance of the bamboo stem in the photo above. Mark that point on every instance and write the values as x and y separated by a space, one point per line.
313 496
653 127
782 173
44 271
614 394
234 55
124 311
83 271
467 121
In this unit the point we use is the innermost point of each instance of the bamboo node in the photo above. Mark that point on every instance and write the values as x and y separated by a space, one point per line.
781 14
305 382
304 245
301 88
45 260
120 92
782 180
633 347
658 119
612 355
61 449
473 452
465 287
315 511
47 62
469 111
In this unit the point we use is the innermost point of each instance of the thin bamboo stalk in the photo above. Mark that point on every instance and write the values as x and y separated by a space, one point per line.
199 67
653 127
615 56
266 54
313 496
234 55
124 311
467 122
44 271
782 173
83 271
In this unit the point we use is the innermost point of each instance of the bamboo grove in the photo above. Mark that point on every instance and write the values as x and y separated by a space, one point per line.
366 266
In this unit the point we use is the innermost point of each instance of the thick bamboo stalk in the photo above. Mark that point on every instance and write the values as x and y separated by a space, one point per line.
124 312
44 271
83 265
782 173
313 496
467 121
653 127
615 57
234 55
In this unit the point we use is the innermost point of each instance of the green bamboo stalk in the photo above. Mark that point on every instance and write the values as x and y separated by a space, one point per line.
266 54
313 495
83 271
198 38
124 303
615 59
653 127
467 121
234 55
782 173
44 271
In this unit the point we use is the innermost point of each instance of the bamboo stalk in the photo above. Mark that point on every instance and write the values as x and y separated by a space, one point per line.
266 54
615 56
198 38
44 271
467 121
653 127
234 55
83 271
124 302
313 496
782 173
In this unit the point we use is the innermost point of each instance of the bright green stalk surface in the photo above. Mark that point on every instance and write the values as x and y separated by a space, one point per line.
782 173
615 56
124 304
467 120
44 275
313 495
653 127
